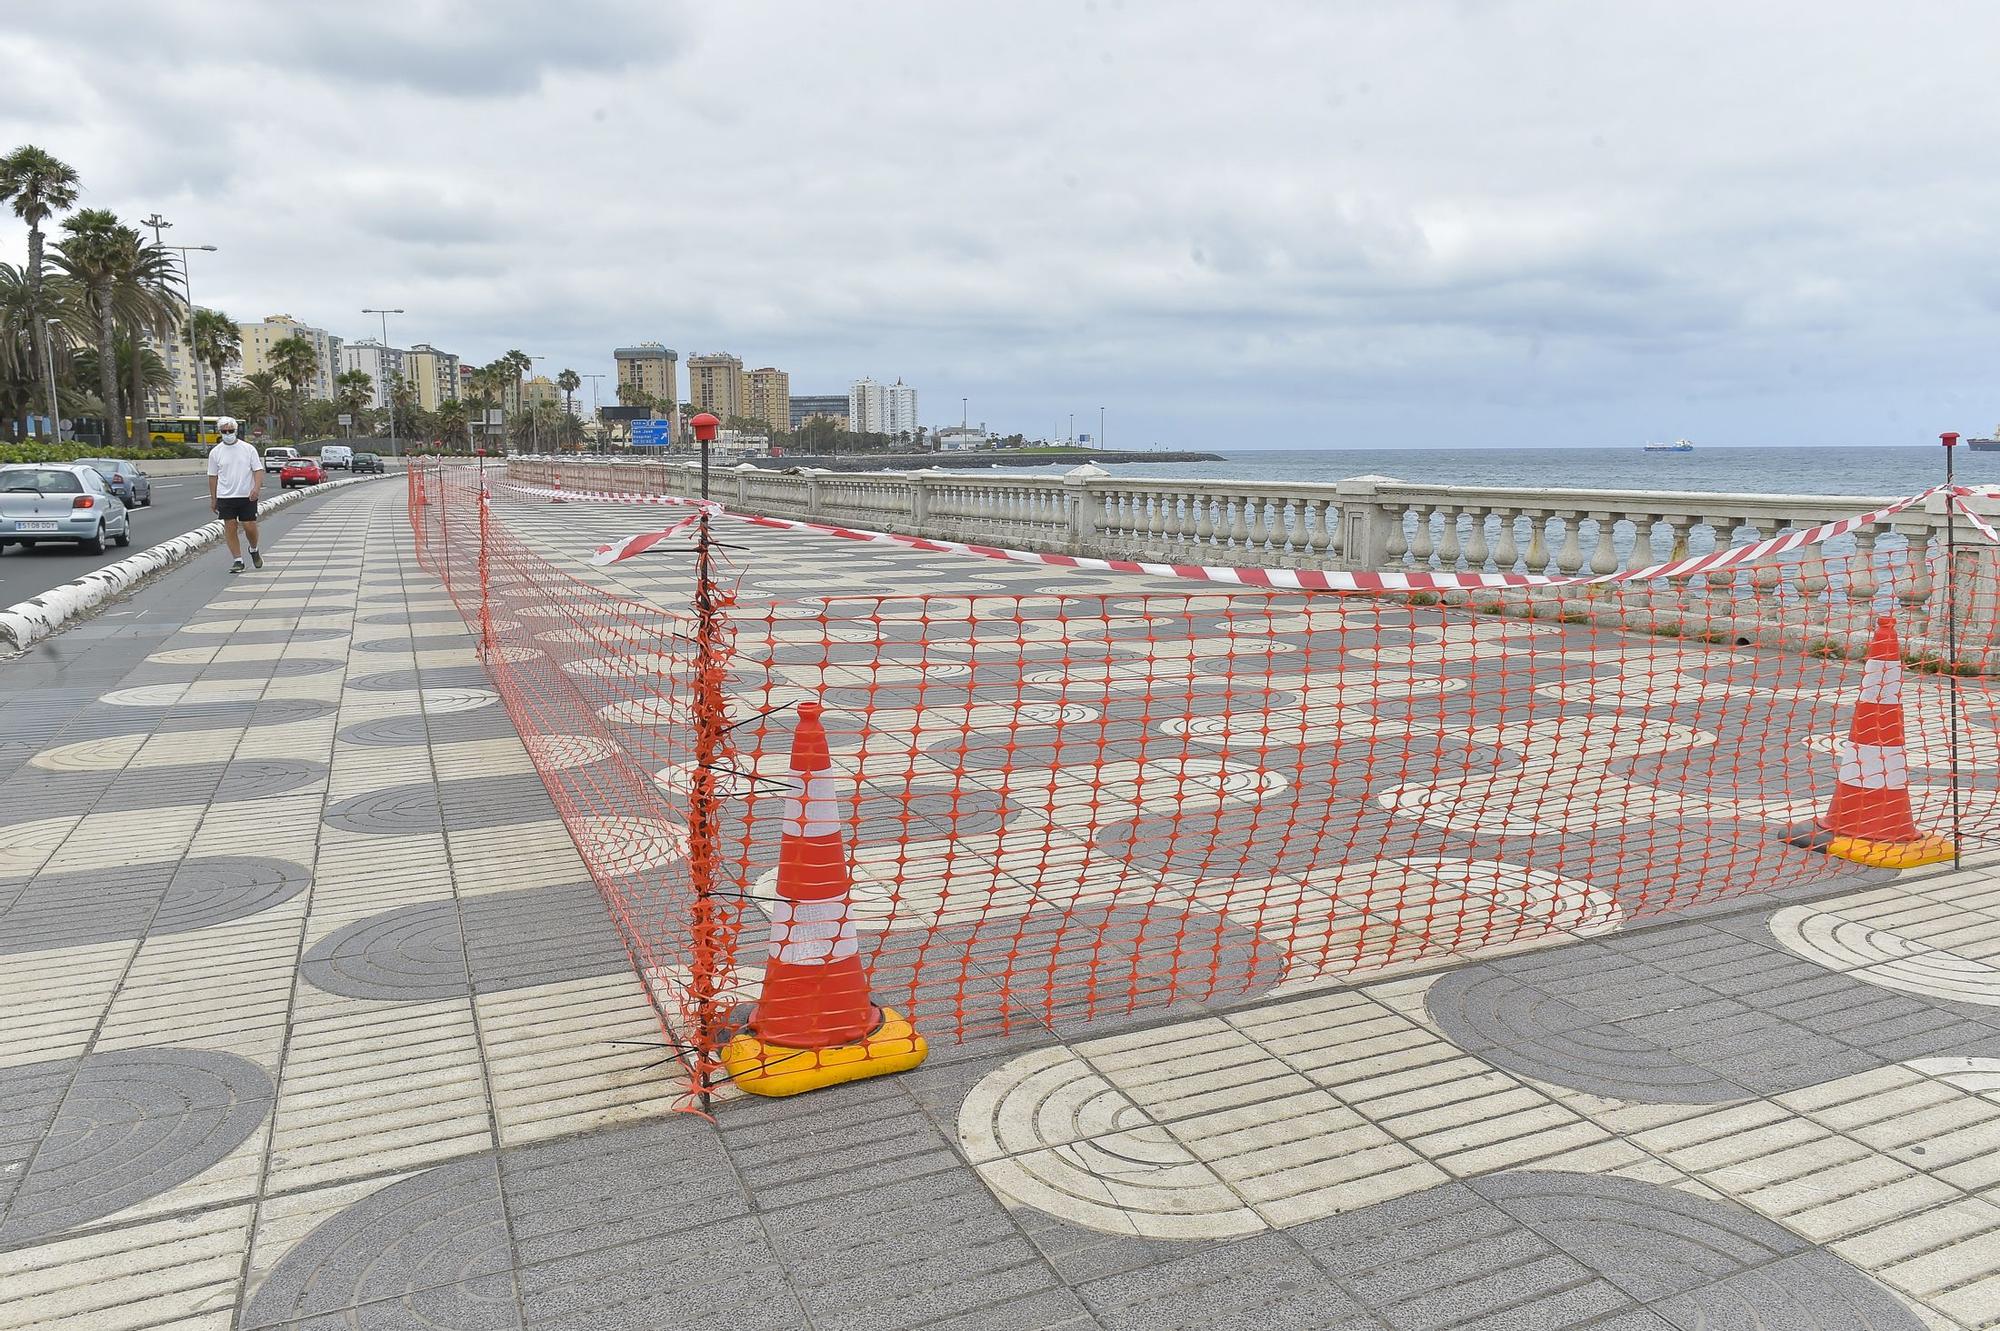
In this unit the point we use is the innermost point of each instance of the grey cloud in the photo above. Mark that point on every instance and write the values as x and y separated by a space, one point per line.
1507 218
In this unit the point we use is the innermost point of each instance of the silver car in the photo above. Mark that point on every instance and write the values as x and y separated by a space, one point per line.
126 479
60 501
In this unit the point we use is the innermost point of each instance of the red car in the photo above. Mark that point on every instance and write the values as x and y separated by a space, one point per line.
301 471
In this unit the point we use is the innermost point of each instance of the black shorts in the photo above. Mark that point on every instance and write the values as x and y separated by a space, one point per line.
243 509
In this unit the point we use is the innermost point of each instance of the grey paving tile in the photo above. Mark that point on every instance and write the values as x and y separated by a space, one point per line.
792 1152
486 1304
899 1251
721 1275
442 1229
1649 1240
1258 1284
142 900
133 1125
1812 1291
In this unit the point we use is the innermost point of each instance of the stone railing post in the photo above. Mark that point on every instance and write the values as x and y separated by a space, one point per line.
1365 523
813 475
920 501
744 471
1081 503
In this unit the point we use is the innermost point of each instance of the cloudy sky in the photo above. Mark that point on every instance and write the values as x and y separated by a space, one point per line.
1321 224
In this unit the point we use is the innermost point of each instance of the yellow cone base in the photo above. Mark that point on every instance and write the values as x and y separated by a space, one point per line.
774 1069
1879 854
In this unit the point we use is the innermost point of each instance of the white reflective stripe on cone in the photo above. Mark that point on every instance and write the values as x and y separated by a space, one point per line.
815 811
805 932
1881 681
1874 767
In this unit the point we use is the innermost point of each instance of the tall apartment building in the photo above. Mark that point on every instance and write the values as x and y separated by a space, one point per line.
433 374
539 389
770 398
716 383
874 408
377 362
831 405
652 369
176 352
259 338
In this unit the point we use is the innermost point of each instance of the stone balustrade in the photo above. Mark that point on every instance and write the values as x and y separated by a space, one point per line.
1824 597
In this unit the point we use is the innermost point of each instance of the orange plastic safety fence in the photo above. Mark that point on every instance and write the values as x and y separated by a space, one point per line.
1037 809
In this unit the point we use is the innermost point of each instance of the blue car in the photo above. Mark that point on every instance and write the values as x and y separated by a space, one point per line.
129 483
60 501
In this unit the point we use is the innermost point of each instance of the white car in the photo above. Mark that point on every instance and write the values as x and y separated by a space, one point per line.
276 458
336 457
57 501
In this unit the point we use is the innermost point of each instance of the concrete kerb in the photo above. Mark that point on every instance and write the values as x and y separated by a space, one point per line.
27 622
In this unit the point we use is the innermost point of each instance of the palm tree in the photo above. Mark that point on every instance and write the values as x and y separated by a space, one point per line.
296 363
489 384
353 389
39 186
266 391
148 300
91 254
517 363
146 372
216 341
569 381
453 422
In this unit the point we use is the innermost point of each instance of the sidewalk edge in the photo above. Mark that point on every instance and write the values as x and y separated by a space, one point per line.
27 622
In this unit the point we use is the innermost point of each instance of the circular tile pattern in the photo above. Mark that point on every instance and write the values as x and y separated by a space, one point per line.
429 1251
439 677
134 1124
553 752
1882 956
621 844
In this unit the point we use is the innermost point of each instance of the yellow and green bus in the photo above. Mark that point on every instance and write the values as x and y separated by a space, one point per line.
167 431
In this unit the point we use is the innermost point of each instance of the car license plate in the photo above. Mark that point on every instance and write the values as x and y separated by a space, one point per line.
29 525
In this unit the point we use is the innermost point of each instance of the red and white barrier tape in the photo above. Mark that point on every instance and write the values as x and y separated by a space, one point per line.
1289 579
611 497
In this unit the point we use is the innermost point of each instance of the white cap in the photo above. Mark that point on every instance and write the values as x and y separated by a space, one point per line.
226 423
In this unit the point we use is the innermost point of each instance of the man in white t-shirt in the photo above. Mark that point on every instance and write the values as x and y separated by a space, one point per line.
235 475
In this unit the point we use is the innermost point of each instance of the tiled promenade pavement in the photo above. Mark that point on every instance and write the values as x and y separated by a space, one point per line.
309 1017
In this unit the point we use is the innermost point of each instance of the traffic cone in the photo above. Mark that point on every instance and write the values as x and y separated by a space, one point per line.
557 498
1870 820
813 1024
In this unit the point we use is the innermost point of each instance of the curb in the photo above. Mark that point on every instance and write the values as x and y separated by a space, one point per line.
27 622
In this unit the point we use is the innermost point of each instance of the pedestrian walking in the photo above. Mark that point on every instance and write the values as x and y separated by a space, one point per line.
235 475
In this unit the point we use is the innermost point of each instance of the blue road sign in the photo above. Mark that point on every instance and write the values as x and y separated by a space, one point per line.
652 434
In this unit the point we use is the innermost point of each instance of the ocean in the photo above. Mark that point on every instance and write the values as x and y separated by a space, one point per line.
1873 471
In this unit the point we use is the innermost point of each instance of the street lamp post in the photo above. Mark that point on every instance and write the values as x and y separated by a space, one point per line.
596 409
187 289
1100 428
388 390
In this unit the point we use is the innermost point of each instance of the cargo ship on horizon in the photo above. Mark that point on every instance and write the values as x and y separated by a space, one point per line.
1677 446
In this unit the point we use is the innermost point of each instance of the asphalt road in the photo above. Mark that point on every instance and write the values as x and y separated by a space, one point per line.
180 503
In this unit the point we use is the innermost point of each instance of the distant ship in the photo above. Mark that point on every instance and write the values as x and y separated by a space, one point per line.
1677 446
1985 445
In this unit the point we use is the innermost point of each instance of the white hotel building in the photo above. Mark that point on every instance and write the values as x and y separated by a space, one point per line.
874 408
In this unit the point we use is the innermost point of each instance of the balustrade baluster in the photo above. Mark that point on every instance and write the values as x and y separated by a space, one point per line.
1604 554
1569 559
1423 546
1477 551
1507 552
1538 541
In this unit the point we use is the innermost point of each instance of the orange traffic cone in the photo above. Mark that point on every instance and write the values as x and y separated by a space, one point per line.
1870 820
417 487
814 1024
557 498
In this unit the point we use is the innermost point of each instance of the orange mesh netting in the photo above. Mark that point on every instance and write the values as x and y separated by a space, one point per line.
1062 806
